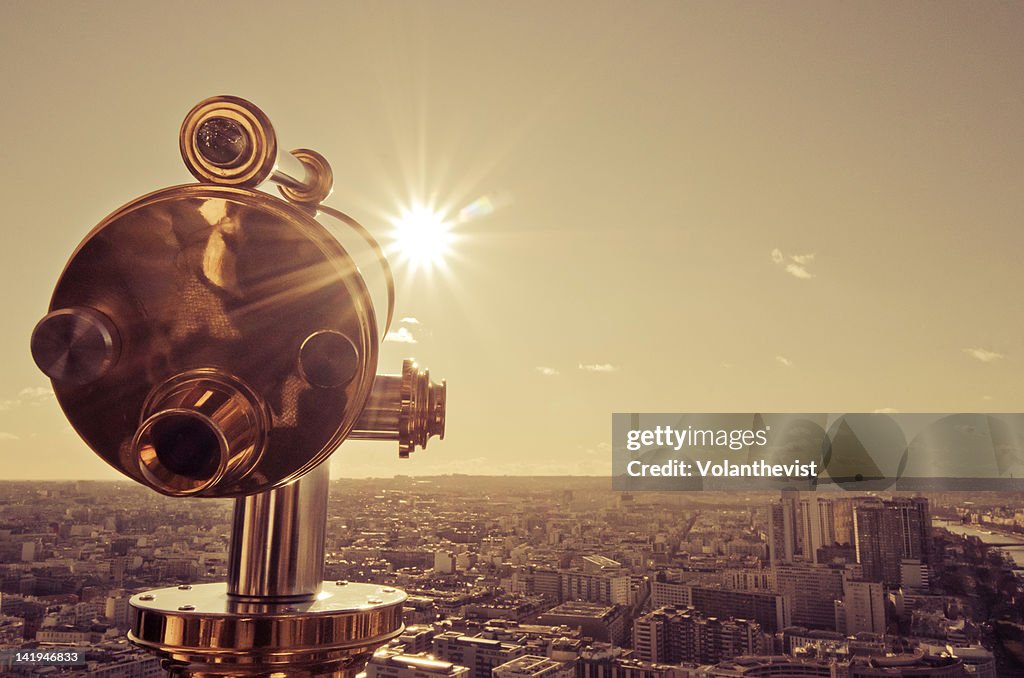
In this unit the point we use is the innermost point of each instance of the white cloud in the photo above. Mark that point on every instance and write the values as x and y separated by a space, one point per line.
8 436
983 354
548 371
409 321
30 395
598 367
35 392
797 266
798 271
400 336
783 360
885 410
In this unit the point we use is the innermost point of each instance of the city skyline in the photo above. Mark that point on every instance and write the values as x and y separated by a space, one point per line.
561 574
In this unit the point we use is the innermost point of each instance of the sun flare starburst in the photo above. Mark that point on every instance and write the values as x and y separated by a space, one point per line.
422 237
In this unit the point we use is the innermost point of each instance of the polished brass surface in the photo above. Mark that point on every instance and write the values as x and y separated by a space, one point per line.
75 345
407 407
200 428
227 140
201 630
277 540
208 277
230 141
318 183
328 359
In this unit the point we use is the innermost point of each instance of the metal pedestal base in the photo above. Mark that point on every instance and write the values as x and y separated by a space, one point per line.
202 631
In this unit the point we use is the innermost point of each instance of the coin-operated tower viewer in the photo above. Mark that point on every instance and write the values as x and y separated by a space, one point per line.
216 340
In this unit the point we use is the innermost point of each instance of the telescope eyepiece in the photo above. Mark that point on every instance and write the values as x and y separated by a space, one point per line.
200 428
223 142
180 452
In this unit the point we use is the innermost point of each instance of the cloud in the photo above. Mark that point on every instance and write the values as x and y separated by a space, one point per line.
783 360
798 271
885 410
30 395
983 354
598 367
409 321
400 336
797 266
548 371
8 436
986 397
35 392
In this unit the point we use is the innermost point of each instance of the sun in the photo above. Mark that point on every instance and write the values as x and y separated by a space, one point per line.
422 237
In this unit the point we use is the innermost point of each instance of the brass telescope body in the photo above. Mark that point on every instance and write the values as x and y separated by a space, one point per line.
215 340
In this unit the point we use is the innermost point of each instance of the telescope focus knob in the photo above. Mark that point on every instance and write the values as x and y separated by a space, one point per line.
76 345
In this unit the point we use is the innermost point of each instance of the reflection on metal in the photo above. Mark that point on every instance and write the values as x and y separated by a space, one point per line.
203 631
200 428
214 340
209 277
408 408
75 345
270 534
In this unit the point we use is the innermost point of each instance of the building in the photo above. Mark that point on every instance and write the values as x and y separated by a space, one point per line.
604 623
595 587
864 607
126 663
768 609
611 662
116 609
812 591
671 636
797 527
479 655
390 664
776 667
887 533
533 666
671 594
444 562
12 631
417 639
876 531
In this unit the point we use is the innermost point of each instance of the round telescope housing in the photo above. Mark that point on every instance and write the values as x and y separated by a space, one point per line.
215 340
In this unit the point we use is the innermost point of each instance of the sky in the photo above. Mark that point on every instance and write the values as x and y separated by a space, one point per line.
687 206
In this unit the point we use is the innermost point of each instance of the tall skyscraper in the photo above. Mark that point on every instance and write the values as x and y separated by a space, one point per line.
886 533
826 522
915 521
795 528
781 545
876 533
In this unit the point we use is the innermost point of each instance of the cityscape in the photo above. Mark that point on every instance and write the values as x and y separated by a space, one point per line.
560 577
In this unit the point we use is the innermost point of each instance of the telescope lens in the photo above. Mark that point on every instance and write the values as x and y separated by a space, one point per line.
186 446
222 142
